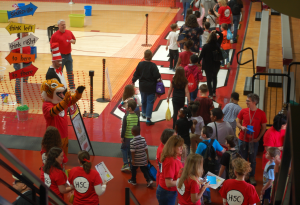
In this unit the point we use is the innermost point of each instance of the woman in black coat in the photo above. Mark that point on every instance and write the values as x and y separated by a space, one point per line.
147 73
210 66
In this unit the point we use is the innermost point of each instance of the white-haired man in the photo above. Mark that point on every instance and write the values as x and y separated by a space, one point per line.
64 38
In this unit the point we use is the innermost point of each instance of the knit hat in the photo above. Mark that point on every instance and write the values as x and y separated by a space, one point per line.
55 52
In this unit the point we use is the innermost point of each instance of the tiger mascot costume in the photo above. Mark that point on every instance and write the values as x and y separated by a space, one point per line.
56 100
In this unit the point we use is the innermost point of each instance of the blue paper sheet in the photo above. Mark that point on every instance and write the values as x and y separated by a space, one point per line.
212 179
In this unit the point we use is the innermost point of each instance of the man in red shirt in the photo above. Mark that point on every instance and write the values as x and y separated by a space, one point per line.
254 119
64 38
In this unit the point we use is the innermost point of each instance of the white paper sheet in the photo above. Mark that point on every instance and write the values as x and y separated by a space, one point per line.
104 172
219 180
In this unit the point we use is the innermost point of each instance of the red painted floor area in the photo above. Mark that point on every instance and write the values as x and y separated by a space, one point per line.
106 128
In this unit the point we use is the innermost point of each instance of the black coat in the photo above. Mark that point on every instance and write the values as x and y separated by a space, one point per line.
208 63
147 73
22 201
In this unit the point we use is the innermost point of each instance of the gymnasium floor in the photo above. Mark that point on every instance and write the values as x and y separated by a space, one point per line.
114 33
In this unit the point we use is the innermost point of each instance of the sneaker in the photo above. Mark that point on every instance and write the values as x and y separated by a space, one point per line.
170 68
143 116
149 123
149 183
125 167
252 181
130 181
222 66
228 65
210 97
205 200
214 95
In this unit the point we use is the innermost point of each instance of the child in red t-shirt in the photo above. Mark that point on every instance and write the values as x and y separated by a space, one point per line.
238 191
184 57
188 185
206 104
87 183
166 191
226 45
52 174
167 133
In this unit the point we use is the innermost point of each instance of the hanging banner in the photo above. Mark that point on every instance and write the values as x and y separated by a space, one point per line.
24 72
79 129
27 10
23 42
108 83
20 58
19 28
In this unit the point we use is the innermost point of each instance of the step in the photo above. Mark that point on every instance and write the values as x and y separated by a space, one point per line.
274 81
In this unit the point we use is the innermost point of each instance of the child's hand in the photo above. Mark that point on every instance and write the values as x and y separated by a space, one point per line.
262 192
104 182
132 162
122 140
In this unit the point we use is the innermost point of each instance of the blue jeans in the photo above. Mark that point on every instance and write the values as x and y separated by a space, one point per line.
67 61
193 94
236 20
227 59
18 81
147 104
186 6
165 197
244 147
125 148
206 194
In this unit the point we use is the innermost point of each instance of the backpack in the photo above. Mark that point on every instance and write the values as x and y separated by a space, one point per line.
152 171
192 85
210 162
160 88
233 155
236 8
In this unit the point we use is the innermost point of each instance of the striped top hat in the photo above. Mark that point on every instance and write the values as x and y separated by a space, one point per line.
55 52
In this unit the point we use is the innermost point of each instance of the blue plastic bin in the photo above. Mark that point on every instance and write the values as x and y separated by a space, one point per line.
21 4
88 10
33 51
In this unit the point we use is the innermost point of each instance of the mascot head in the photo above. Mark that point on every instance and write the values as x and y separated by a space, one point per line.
53 91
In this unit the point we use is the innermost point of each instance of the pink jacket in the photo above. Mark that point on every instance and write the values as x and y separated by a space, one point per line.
200 20
195 70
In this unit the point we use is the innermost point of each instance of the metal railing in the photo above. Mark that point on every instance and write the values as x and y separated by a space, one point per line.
289 72
287 184
36 185
237 58
129 195
256 76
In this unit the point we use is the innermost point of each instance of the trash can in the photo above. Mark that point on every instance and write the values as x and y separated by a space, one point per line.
21 4
3 16
33 51
2 72
88 10
76 20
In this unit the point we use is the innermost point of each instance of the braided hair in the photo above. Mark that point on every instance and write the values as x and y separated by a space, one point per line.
187 112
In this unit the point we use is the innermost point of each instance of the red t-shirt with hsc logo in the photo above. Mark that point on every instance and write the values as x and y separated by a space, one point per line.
56 178
84 186
238 192
225 13
169 170
258 119
189 187
63 39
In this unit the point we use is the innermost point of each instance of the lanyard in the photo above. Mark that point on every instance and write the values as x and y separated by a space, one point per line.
252 116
